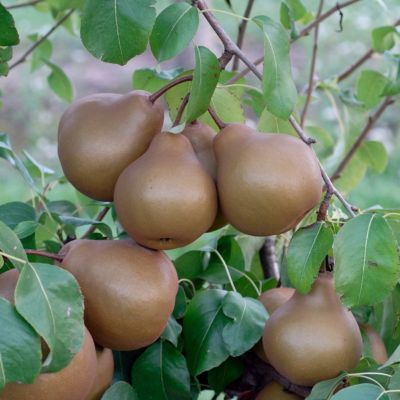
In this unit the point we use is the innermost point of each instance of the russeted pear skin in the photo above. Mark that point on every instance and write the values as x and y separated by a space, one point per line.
266 182
201 137
274 391
71 383
104 373
101 134
376 344
313 337
166 199
129 291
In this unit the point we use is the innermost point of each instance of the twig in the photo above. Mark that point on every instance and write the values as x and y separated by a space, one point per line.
41 253
347 72
312 68
371 121
181 110
323 208
216 118
268 260
153 97
27 4
242 31
41 40
99 218
299 130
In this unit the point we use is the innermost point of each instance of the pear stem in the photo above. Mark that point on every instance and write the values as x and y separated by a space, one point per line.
100 217
57 257
181 110
153 97
216 118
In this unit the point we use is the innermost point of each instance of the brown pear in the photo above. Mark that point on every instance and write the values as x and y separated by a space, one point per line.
129 291
201 137
166 199
376 344
8 282
272 299
101 134
313 337
71 383
274 391
104 373
266 182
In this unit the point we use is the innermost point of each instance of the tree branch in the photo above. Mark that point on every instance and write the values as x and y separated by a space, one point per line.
27 4
41 253
181 110
312 68
347 72
153 97
242 31
371 121
41 40
216 118
100 217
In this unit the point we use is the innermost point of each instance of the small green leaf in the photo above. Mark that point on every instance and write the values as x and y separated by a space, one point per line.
367 264
59 82
383 38
324 140
62 5
161 373
6 54
116 31
393 359
15 212
279 89
35 168
307 250
270 123
291 10
370 86
49 298
190 265
11 246
395 385
173 30
43 51
365 391
120 391
172 331
73 222
8 32
248 317
151 80
25 229
20 354
226 373
202 329
205 79
325 389
374 154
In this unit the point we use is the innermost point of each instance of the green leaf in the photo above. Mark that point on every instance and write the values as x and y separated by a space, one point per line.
367 263
15 212
226 373
352 174
49 298
25 229
205 79
383 38
10 245
270 123
172 331
120 391
279 89
374 154
35 168
324 389
161 373
62 5
365 391
324 140
393 359
190 265
73 222
307 250
395 385
8 32
20 353
180 303
173 30
116 31
43 51
151 80
6 54
370 86
248 318
4 69
202 329
59 82
291 10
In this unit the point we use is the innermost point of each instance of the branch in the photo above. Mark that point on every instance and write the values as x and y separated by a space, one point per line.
371 121
153 97
268 259
181 109
41 40
100 217
242 31
216 118
41 253
27 4
323 208
312 68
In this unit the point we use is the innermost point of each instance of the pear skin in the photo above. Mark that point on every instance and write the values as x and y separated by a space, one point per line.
101 134
72 382
376 344
274 391
201 137
166 199
313 337
266 182
129 291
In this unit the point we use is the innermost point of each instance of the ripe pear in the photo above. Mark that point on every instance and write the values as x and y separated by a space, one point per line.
266 182
272 299
201 137
313 337
129 291
274 391
101 134
71 383
376 344
166 199
104 373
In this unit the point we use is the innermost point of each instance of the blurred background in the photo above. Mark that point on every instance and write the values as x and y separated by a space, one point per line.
30 111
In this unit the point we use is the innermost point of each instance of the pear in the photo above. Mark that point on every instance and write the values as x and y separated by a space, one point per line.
376 344
101 134
274 391
104 373
201 137
313 337
71 383
266 182
166 199
8 282
129 291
